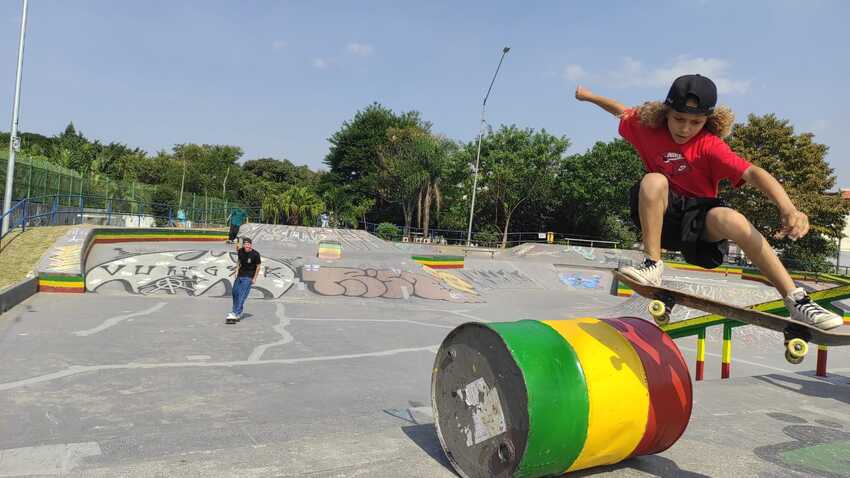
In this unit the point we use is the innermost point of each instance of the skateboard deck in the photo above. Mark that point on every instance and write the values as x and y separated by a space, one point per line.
790 328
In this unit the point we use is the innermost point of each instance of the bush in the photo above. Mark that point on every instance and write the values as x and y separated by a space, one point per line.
488 236
388 231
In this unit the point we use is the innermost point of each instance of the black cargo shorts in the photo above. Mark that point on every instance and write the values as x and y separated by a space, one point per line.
683 227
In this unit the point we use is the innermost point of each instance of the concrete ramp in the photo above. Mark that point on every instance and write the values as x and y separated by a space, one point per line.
298 237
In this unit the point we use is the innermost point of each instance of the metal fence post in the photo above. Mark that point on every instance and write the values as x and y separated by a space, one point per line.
25 215
53 207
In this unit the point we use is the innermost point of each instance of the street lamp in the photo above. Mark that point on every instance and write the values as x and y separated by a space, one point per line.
505 51
14 142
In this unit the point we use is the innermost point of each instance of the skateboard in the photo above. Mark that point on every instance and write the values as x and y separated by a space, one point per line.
797 334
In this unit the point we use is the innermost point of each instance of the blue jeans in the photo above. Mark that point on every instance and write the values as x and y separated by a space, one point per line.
241 289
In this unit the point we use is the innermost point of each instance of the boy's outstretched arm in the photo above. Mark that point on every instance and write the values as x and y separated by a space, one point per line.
612 106
795 224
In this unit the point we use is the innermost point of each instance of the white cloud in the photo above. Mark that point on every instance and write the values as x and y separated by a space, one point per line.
574 73
279 44
320 63
633 73
360 49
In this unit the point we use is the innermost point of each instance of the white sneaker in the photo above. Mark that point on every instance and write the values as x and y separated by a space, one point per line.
647 272
804 309
231 316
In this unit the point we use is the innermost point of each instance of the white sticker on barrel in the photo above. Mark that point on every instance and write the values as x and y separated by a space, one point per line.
487 417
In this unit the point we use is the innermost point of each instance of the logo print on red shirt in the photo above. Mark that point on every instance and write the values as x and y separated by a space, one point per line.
674 163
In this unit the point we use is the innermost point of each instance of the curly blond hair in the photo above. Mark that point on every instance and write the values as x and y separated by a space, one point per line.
654 113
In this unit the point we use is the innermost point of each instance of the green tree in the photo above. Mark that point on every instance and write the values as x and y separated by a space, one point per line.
799 164
354 149
517 166
592 191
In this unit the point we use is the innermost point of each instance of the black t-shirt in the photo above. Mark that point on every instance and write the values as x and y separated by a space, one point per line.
248 262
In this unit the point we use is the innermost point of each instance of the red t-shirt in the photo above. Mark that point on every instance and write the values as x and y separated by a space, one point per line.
693 169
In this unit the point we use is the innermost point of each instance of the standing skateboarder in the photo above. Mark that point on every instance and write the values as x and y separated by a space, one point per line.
246 275
676 204
234 220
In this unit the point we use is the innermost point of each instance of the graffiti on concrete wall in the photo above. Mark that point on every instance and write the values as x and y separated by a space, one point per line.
606 257
384 283
580 281
485 279
64 257
194 273
293 236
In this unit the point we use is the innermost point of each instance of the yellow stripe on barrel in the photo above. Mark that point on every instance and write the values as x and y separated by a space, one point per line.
617 389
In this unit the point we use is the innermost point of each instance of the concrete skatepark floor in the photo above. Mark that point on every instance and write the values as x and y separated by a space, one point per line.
126 384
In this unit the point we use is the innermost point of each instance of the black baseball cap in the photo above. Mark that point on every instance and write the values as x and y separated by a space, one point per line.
695 87
246 240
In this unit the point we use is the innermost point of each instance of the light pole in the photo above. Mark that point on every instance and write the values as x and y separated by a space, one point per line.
13 134
505 51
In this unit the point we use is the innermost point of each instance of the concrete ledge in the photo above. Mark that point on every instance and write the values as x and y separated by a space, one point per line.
17 293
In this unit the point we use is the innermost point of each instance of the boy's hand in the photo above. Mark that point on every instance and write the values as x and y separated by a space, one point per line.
582 93
795 225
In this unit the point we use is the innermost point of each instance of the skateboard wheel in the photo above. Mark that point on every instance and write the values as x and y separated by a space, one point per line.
657 309
795 350
793 359
664 319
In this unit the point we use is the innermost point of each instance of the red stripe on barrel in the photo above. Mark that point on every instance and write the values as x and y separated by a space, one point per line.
670 390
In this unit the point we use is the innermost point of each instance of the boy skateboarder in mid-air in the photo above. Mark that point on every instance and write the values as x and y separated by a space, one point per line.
676 205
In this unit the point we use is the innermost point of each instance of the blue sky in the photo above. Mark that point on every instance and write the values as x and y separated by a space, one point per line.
278 78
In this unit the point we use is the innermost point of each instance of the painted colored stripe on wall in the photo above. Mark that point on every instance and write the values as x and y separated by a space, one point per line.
619 395
719 270
60 278
558 402
440 262
64 290
142 238
670 389
53 283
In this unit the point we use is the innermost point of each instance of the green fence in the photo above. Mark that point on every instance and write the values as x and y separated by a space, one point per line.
39 178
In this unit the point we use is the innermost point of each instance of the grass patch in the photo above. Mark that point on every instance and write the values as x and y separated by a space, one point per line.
21 251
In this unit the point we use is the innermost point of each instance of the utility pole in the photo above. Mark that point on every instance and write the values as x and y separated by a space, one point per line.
505 51
14 141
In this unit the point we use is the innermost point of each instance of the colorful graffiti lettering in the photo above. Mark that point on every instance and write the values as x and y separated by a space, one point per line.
577 281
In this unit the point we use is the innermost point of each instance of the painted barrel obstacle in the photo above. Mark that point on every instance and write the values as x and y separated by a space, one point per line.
532 399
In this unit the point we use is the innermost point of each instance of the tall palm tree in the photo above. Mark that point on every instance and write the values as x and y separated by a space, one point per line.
271 207
301 205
